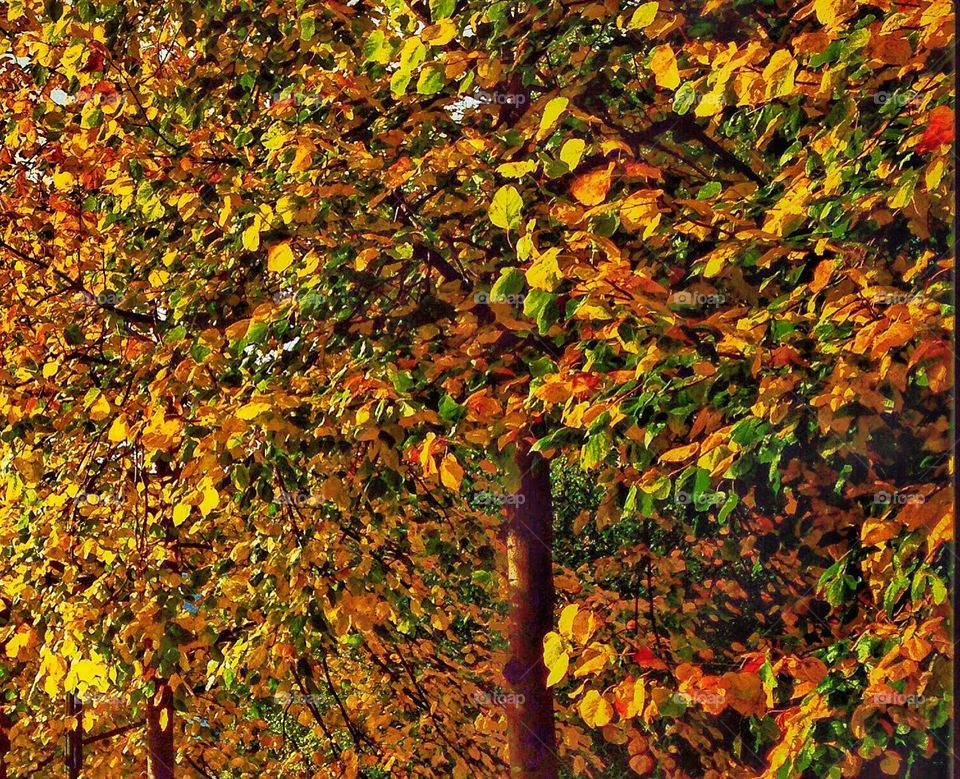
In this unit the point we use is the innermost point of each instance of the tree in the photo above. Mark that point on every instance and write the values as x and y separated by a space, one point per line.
308 310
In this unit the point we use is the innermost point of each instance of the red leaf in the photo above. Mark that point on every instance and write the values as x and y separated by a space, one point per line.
939 130
647 659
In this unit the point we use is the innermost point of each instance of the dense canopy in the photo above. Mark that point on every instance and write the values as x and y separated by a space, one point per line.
476 389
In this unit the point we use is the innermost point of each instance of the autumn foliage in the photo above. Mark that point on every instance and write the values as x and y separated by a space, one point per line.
476 389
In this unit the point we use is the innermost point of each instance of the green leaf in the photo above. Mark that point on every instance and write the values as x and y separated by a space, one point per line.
684 98
511 281
506 208
307 27
376 48
441 9
431 80
710 190
594 450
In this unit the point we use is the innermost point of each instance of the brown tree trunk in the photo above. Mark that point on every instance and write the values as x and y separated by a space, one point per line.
75 738
5 725
530 730
160 752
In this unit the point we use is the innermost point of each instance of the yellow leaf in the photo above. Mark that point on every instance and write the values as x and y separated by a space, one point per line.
164 719
551 113
253 410
595 710
440 33
20 640
832 13
514 170
663 63
279 257
451 472
639 694
779 74
565 625
304 156
641 209
555 658
593 664
100 409
118 430
544 273
180 513
591 188
679 454
571 152
643 16
251 236
211 499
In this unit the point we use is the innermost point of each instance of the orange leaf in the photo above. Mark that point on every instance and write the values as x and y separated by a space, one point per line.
591 188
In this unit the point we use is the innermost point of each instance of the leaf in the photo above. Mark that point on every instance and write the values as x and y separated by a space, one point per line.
253 410
307 27
441 9
663 63
679 454
641 210
645 658
939 130
251 236
832 13
431 80
101 409
565 625
544 272
180 513
451 472
506 208
571 152
118 430
595 710
515 170
779 74
211 499
684 98
591 188
643 16
551 113
279 257
510 283
555 658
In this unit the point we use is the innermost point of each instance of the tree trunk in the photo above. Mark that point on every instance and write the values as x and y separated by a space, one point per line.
75 738
160 752
5 725
530 730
